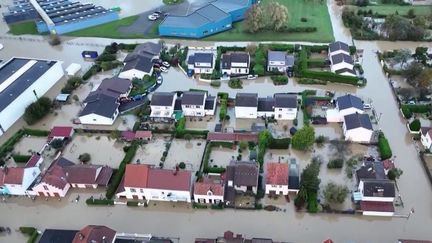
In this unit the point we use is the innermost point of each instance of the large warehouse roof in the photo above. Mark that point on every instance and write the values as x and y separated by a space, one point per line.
17 75
230 5
200 17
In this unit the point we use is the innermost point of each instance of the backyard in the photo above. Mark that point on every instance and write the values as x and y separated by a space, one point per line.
23 28
315 13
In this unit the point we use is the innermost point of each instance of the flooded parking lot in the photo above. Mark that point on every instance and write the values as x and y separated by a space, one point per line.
94 144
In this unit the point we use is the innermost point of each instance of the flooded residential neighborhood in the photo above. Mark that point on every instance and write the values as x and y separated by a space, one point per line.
215 143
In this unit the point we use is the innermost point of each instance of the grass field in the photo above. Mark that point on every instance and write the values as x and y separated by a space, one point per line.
317 16
388 9
24 28
109 30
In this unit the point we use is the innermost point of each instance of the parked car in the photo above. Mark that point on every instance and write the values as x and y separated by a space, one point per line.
159 79
163 69
251 76
1 46
153 16
156 65
158 61
367 106
166 64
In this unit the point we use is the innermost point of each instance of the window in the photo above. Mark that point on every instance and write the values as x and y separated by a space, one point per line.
197 106
45 188
132 190
142 190
280 109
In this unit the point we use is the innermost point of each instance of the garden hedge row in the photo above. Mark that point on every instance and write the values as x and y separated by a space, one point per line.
19 158
93 201
329 76
279 143
384 147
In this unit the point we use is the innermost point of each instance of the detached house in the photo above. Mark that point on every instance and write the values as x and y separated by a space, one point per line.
277 178
235 63
101 105
17 181
209 189
140 62
197 103
246 105
162 104
95 234
201 63
146 183
279 61
240 177
377 197
61 133
345 105
357 128
340 59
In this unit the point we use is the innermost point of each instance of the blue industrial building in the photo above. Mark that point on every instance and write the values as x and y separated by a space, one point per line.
213 18
59 16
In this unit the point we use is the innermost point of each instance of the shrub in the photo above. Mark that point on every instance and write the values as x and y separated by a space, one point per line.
71 84
85 157
182 165
36 132
406 112
304 138
199 206
105 201
223 109
279 143
215 83
329 76
384 147
420 109
259 69
132 203
415 125
56 143
19 158
180 126
37 110
335 164
27 230
303 19
312 202
235 83
320 139
279 79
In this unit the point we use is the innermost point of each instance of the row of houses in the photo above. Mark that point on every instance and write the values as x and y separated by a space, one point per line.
144 182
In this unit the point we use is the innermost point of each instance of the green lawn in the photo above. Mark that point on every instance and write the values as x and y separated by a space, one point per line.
110 30
172 2
388 9
23 28
317 16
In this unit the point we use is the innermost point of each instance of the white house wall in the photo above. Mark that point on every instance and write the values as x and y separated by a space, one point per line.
133 73
16 109
162 111
278 189
214 199
340 66
246 112
285 113
359 135
39 188
94 119
426 141
376 213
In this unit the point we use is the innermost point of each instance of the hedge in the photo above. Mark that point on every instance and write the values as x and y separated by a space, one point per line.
105 201
406 112
279 143
279 47
132 203
193 133
223 95
199 206
27 230
223 109
9 144
329 76
314 63
384 147
311 81
216 170
19 158
417 108
222 144
33 237
279 79
36 132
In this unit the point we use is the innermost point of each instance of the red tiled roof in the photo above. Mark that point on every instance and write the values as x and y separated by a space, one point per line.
277 174
169 179
377 206
143 134
82 174
207 184
60 132
218 136
94 233
32 161
56 177
104 176
14 175
128 135
136 176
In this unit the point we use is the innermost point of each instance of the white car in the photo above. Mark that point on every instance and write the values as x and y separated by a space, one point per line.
163 69
166 64
367 106
250 76
153 16
1 46
159 80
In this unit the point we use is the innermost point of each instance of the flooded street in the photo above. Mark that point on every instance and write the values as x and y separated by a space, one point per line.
187 223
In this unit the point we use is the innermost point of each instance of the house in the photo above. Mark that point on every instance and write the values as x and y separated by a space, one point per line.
345 105
279 61
229 237
240 177
146 183
294 176
371 170
17 181
193 102
201 63
426 137
64 174
210 106
140 62
377 208
246 105
101 105
59 132
209 189
265 107
357 128
127 136
342 64
94 234
285 107
235 63
338 47
377 197
57 235
143 135
162 104
22 82
35 161
277 178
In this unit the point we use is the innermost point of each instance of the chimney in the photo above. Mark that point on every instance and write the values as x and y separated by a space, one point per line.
80 236
104 239
177 168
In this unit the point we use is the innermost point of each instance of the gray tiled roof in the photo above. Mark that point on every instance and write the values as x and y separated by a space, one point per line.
338 45
278 56
378 188
193 98
139 62
348 101
285 101
341 57
343 70
57 235
210 103
246 100
266 104
356 120
243 173
238 57
162 99
102 105
203 58
200 17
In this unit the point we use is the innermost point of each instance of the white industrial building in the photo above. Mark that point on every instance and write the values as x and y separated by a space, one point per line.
22 82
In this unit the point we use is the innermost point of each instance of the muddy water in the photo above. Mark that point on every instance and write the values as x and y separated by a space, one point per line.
28 145
151 152
189 152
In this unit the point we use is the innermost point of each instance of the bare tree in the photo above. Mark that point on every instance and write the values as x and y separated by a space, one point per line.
254 21
278 15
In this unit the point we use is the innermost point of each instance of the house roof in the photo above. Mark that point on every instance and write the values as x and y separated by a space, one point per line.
2 177
114 86
58 131
285 101
339 45
345 70
62 161
13 175
219 136
246 100
104 106
208 183
371 170
266 104
139 62
357 120
148 48
143 134
88 174
55 176
162 99
276 56
294 175
243 173
193 98
378 188
377 206
202 58
210 103
237 57
136 175
32 161
128 135
56 235
94 233
169 179
277 174
342 57
349 101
